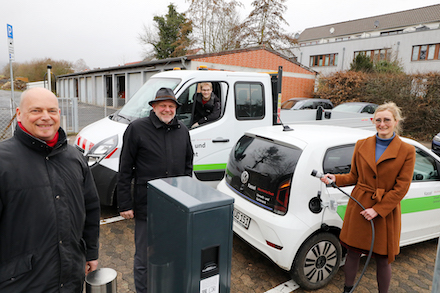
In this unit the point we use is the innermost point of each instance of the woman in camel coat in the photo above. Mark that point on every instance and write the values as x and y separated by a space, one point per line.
381 170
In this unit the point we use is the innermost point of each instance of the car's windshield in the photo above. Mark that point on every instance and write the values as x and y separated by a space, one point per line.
289 104
137 106
348 108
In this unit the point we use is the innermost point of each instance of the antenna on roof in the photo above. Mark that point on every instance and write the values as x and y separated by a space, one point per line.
376 24
285 127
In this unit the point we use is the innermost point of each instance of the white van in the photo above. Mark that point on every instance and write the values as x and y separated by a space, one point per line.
248 100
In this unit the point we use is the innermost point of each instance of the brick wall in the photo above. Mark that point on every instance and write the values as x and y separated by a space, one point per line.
297 88
264 59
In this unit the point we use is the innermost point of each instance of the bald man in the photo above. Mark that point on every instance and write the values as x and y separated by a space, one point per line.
49 207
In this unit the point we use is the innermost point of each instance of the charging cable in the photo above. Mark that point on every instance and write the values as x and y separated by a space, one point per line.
317 174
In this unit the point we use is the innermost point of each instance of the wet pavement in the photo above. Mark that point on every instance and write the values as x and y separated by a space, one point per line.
251 272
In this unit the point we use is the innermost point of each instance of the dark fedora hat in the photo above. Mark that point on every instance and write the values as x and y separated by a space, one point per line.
165 94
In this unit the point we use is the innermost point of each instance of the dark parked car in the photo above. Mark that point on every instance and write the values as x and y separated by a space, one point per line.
306 103
356 107
436 144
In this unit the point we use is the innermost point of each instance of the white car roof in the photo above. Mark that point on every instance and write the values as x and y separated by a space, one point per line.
302 134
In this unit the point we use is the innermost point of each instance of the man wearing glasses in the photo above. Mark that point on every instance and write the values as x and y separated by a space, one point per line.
207 106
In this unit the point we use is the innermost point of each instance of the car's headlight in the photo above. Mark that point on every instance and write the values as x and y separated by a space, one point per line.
437 138
101 149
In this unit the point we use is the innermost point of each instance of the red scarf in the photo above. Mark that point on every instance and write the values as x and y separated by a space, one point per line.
50 143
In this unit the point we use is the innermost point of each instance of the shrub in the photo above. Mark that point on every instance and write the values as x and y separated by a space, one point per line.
361 63
418 95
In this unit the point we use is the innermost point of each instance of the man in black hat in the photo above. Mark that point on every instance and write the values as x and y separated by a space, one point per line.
156 146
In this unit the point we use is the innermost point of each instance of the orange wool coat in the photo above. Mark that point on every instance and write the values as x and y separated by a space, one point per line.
380 185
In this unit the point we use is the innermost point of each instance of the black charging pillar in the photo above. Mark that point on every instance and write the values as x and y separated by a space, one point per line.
189 237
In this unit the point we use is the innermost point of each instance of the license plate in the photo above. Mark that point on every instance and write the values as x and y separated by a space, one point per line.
241 219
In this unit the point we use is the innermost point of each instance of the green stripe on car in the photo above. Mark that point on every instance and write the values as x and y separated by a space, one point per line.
411 205
210 167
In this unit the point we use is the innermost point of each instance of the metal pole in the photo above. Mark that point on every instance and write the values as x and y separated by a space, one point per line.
12 94
436 279
49 81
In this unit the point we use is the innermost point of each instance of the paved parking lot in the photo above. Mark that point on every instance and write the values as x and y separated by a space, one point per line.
253 273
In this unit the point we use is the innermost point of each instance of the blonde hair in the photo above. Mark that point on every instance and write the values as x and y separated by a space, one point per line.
205 83
395 110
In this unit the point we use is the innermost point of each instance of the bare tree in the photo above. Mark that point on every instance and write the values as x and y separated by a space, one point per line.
148 37
263 26
214 22
80 66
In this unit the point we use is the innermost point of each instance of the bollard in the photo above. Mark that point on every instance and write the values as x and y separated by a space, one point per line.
101 281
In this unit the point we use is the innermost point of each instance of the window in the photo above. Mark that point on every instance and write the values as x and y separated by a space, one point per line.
249 101
261 172
342 39
425 52
337 160
185 112
425 168
389 33
376 55
324 60
138 106
369 109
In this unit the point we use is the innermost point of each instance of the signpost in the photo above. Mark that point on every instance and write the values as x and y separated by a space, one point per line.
11 43
11 59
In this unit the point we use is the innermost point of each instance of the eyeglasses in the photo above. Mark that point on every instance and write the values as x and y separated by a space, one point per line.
386 121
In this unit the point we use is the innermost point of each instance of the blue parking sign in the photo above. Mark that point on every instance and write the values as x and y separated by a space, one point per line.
10 35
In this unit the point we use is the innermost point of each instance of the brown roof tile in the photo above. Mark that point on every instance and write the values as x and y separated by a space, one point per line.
423 15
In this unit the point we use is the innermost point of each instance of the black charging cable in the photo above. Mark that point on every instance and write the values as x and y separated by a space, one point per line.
317 174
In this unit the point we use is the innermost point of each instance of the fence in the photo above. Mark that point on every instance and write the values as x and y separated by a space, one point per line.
69 114
7 114
74 115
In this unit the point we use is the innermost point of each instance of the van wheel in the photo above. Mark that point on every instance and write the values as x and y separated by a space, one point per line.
317 261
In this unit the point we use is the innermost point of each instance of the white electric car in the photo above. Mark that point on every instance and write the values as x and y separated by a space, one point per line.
277 205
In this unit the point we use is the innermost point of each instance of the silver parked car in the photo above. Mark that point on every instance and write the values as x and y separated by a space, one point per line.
306 103
356 107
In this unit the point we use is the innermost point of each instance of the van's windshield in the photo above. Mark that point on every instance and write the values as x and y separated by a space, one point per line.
137 106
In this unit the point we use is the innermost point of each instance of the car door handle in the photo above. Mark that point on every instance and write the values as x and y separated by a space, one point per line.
220 139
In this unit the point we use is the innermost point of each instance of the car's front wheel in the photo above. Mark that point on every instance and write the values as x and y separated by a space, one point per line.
317 261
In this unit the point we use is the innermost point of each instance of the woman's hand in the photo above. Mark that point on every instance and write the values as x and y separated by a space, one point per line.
328 176
369 214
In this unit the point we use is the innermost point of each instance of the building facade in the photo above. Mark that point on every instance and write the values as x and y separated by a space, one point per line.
411 37
114 86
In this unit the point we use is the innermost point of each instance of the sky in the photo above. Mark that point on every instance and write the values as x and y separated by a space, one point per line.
104 33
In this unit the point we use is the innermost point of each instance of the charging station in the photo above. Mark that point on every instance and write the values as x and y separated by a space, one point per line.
189 237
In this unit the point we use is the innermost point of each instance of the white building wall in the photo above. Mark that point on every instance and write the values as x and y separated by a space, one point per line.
82 90
134 83
72 92
99 90
89 90
401 45
30 85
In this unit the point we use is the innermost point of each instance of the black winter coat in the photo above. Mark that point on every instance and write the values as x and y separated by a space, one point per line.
49 216
207 112
151 149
